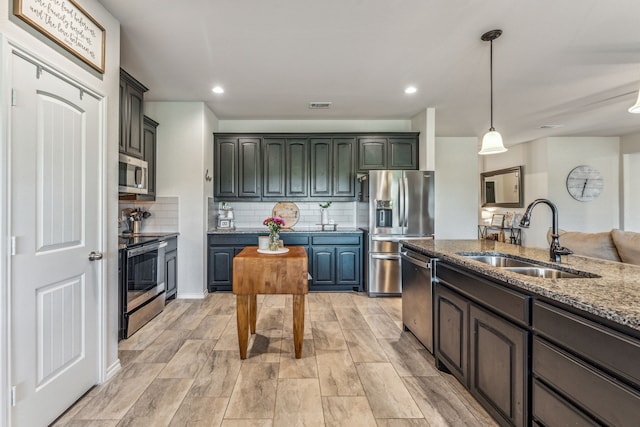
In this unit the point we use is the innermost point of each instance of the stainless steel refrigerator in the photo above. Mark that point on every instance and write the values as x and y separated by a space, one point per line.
400 207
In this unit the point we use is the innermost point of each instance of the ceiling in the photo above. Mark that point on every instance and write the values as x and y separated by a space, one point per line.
574 63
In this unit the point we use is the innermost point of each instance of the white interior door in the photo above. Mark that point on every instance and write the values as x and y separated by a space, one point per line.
55 213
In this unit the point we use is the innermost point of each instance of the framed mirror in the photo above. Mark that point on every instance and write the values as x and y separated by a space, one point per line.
502 188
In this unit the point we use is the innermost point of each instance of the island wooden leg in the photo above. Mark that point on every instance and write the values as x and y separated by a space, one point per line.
298 324
242 314
253 312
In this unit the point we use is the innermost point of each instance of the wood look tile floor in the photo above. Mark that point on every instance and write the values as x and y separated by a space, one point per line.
358 368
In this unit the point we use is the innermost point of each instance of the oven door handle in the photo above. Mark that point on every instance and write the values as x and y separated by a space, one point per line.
145 248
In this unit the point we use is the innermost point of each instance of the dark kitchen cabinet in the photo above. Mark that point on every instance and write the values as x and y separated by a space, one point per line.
171 267
131 115
481 336
388 152
321 176
451 346
150 143
344 167
285 164
575 379
498 365
334 258
237 168
333 162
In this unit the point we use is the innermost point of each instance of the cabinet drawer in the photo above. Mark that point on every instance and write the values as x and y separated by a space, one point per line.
291 239
552 410
605 398
601 345
335 240
508 303
233 240
172 244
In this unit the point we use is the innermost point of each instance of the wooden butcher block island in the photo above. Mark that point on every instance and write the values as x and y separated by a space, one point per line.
258 273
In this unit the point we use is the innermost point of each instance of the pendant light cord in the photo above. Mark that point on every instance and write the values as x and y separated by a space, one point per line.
491 80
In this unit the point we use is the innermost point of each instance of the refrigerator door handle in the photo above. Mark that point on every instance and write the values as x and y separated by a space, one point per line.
406 199
391 257
401 200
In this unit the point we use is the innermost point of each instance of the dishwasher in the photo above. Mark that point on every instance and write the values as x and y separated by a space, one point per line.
417 295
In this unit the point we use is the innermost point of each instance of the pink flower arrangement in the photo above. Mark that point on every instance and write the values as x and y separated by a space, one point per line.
274 223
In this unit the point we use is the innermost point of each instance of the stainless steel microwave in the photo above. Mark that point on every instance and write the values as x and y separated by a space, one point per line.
133 175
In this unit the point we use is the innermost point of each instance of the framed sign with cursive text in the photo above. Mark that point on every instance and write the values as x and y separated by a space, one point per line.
68 25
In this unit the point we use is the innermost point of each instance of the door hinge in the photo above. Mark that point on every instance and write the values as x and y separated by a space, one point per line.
14 96
12 250
13 396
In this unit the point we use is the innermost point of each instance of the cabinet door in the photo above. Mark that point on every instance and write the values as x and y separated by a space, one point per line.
226 175
347 265
344 167
321 176
451 331
171 273
273 167
149 133
498 374
249 175
402 153
134 143
297 182
372 153
323 265
123 124
220 267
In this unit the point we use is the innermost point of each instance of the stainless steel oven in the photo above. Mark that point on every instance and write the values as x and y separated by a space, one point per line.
144 283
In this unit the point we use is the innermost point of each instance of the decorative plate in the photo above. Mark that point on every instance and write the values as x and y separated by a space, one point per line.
288 211
268 252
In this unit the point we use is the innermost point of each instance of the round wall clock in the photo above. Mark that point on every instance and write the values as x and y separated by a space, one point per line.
584 183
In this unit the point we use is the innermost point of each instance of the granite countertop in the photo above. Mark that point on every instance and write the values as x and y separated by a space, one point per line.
264 230
614 296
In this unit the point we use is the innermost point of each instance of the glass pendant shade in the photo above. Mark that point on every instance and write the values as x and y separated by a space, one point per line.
636 106
492 143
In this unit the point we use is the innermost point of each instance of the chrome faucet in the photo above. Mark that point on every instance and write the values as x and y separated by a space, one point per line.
555 250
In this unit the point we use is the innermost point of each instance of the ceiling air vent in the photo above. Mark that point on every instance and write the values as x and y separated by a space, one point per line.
319 105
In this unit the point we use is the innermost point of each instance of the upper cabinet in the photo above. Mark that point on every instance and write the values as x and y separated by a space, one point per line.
388 152
303 166
131 115
237 168
149 140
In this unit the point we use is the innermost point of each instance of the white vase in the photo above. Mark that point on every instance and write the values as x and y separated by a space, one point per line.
324 216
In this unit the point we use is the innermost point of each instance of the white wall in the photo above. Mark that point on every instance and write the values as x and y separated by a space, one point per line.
184 154
106 84
630 183
258 126
425 123
547 162
457 185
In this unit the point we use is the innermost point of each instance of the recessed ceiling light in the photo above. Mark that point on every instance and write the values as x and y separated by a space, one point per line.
218 89
410 90
550 126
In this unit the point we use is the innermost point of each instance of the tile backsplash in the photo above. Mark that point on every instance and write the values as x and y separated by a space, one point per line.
251 214
164 214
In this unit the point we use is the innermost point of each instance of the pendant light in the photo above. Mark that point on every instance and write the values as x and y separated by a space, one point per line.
636 106
492 140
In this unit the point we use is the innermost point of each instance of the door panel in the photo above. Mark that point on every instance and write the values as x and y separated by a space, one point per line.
55 186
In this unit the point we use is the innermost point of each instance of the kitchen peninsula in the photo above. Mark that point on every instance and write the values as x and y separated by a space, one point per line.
547 351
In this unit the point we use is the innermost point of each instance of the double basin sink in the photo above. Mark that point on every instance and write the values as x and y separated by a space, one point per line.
526 267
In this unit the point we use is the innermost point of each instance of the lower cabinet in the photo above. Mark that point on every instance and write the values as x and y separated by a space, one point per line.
583 371
484 350
498 374
335 259
171 267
